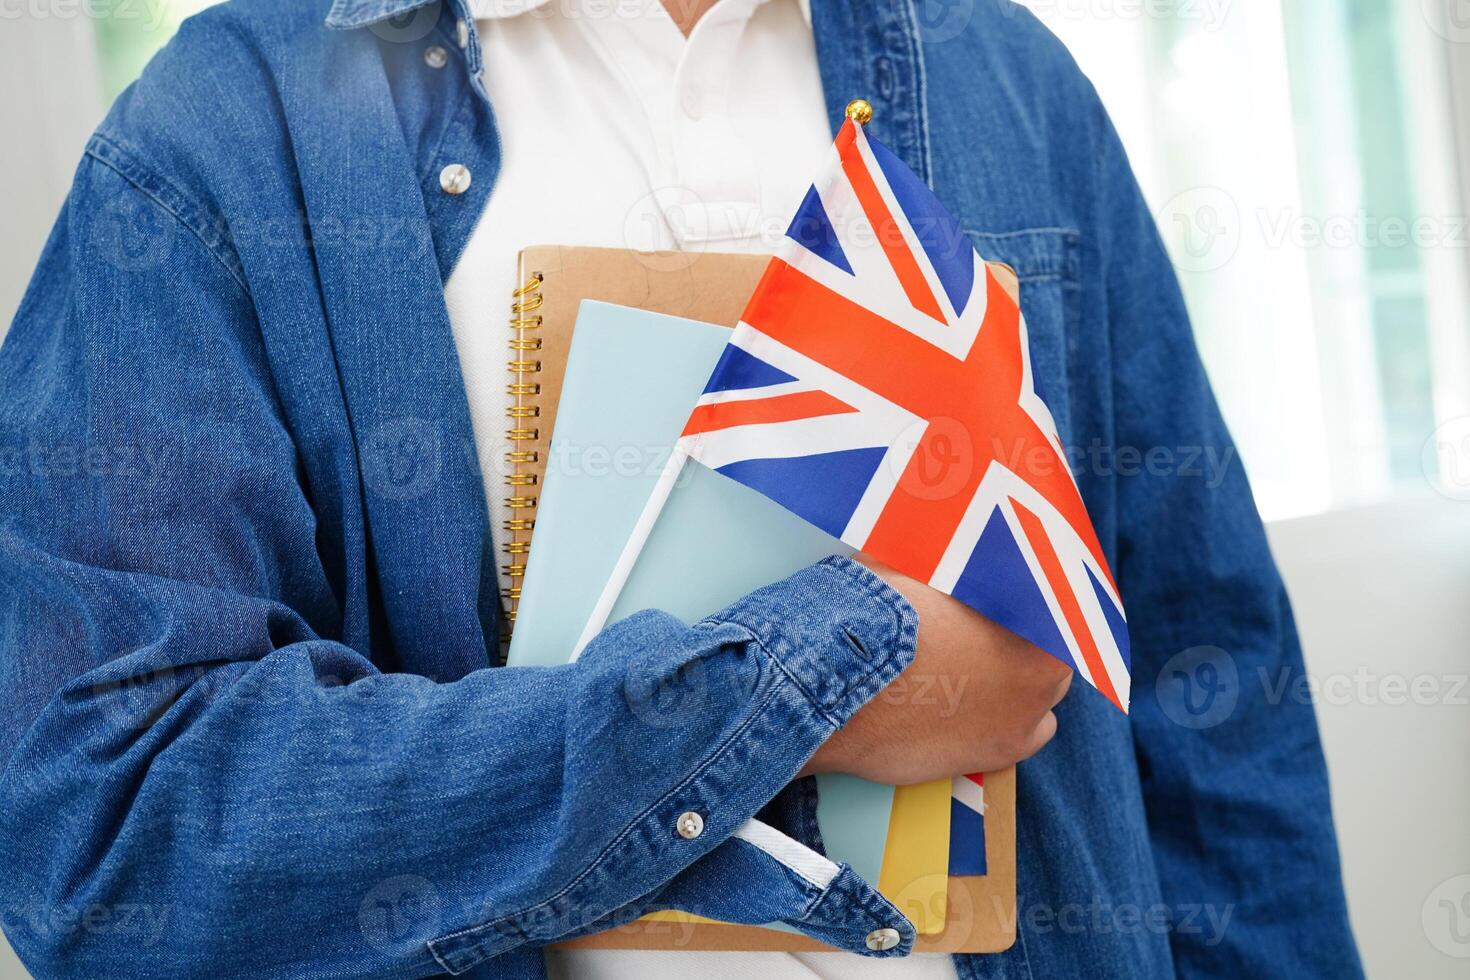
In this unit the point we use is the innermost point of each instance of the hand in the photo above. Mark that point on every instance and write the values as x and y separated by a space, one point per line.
976 698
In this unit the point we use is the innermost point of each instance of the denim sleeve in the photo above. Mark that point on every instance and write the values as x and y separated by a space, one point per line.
1234 781
202 779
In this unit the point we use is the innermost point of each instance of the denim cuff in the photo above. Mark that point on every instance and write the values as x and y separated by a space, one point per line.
828 639
839 632
851 915
742 882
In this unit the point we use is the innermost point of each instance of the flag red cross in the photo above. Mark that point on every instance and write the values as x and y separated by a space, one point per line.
980 392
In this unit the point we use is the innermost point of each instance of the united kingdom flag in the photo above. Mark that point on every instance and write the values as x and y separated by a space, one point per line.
879 385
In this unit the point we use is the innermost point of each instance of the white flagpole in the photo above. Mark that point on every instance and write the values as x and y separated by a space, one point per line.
633 548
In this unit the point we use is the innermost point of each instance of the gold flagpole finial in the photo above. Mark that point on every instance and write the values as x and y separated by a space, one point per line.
860 111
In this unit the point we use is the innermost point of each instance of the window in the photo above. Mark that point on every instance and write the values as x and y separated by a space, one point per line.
1300 161
129 32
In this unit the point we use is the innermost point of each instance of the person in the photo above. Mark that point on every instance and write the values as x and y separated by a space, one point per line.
253 718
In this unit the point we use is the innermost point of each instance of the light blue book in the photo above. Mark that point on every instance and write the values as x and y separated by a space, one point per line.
631 379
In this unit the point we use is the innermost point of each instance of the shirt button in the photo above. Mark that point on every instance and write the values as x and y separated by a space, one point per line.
436 57
689 825
882 939
462 33
455 178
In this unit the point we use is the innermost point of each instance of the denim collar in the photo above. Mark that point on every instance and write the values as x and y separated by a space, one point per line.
871 49
347 14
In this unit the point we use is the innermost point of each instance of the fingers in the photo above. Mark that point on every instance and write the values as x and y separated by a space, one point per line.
1003 752
1063 685
1047 679
899 761
1043 733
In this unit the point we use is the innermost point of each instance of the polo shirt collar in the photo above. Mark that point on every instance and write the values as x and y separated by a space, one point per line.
501 9
360 13
498 9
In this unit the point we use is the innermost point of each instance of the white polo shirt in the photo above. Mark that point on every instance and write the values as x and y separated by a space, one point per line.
616 130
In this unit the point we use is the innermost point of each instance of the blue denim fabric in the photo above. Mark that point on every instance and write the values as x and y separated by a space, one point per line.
250 713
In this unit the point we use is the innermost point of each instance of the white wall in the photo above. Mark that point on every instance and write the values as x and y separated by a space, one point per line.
50 101
1382 598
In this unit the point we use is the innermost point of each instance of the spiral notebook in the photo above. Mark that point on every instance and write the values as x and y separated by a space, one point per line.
554 279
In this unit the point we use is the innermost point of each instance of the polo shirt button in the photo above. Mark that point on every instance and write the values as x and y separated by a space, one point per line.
689 825
882 939
436 57
455 178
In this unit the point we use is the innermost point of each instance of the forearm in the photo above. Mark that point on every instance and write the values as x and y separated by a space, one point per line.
297 792
200 716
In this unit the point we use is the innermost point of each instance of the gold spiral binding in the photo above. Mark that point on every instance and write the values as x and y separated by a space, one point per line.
525 300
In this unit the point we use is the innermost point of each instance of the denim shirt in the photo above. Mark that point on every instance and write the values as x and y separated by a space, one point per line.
251 717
